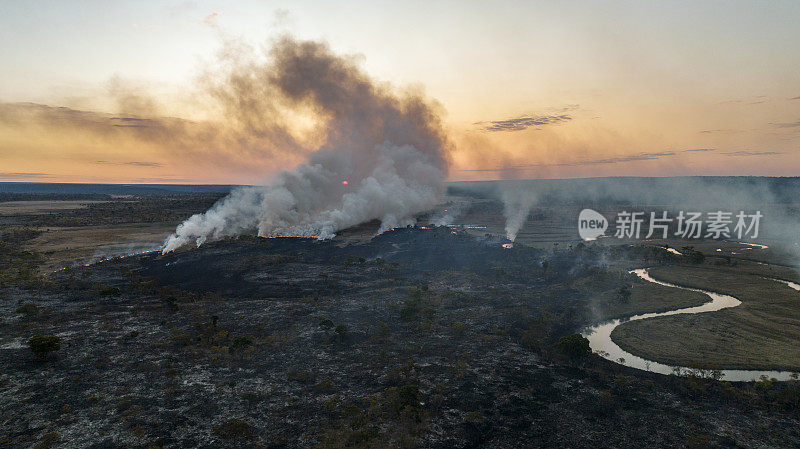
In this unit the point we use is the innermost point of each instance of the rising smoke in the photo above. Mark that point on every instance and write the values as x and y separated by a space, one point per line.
383 155
773 197
517 204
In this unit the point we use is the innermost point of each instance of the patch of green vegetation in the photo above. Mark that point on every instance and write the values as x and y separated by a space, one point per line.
341 331
575 347
17 264
394 419
234 429
298 375
28 309
416 306
43 345
239 344
48 440
692 255
107 290
324 385
623 295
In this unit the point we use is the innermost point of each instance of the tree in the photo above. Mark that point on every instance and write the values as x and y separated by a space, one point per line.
694 256
574 346
624 294
341 331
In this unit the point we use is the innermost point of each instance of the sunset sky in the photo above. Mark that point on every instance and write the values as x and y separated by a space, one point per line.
527 89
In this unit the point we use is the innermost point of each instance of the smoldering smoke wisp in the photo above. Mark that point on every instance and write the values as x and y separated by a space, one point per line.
383 155
449 212
517 204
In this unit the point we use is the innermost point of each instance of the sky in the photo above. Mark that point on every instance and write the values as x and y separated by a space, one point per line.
525 89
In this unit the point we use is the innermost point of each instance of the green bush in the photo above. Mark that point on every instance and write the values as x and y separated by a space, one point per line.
574 346
234 429
41 345
297 375
406 396
28 309
416 306
48 440
324 385
240 344
624 294
107 290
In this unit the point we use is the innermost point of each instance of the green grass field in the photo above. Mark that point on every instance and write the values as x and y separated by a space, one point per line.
761 333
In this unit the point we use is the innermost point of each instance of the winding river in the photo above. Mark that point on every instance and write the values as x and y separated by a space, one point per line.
599 336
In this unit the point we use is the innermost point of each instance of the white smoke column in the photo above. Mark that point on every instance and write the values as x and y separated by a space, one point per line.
453 210
517 204
389 148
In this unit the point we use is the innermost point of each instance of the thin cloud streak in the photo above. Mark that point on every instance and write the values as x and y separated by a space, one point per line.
23 175
522 123
613 160
752 153
721 131
787 125
133 163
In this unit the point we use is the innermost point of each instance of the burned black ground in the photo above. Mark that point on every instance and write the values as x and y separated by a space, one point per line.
419 338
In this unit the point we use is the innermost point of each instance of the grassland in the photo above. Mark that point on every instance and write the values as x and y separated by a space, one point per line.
74 231
62 247
43 206
762 333
644 297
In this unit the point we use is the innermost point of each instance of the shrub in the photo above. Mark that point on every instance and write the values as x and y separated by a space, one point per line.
324 385
624 294
382 332
240 344
475 417
458 328
48 440
297 375
172 303
41 345
694 256
234 429
406 396
607 401
415 306
574 346
28 309
698 441
108 290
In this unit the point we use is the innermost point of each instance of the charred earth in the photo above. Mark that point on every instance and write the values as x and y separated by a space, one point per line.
420 337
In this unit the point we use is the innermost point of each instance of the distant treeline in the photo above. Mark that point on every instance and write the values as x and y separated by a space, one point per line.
109 189
52 196
165 208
